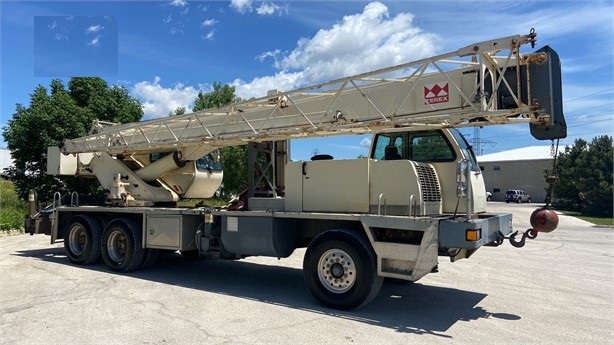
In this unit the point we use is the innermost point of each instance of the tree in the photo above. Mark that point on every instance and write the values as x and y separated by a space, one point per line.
234 158
220 96
585 177
178 111
55 116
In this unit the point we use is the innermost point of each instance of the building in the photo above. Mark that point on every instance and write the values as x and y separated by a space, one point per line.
5 160
522 168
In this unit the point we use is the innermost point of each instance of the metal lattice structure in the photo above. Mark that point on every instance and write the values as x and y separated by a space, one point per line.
477 85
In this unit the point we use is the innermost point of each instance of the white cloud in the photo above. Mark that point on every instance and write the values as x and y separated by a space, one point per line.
158 101
210 35
167 19
209 22
179 3
53 25
268 8
366 142
359 43
241 6
94 42
273 54
258 87
94 28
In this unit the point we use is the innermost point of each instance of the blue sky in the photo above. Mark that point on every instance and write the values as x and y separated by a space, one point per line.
164 52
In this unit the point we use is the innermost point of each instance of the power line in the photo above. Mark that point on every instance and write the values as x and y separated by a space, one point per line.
589 95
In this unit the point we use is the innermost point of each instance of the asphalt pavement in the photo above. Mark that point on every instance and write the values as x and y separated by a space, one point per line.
558 289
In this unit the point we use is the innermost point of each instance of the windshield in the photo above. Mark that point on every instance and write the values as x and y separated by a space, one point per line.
465 149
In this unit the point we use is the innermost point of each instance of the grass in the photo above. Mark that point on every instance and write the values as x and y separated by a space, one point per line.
12 209
601 221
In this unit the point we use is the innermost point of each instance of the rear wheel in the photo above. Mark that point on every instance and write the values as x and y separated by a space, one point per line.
82 240
340 270
122 245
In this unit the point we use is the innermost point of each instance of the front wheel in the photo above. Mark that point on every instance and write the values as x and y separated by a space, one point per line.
340 270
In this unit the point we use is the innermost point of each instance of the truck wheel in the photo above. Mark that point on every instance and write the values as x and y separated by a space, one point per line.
340 270
122 248
150 258
82 240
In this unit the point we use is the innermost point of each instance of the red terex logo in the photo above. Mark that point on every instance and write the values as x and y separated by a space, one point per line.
436 93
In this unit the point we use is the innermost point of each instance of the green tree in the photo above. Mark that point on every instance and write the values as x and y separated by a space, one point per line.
57 115
234 158
178 111
220 96
112 104
585 177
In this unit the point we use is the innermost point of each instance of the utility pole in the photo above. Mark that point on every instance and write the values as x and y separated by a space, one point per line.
476 142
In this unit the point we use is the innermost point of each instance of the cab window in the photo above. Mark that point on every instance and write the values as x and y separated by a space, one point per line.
420 146
208 163
431 147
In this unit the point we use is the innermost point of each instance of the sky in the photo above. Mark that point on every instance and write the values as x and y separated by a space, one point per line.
165 52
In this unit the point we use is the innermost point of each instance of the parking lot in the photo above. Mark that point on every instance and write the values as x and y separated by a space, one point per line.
558 289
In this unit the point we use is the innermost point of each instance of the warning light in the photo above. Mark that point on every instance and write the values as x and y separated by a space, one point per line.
473 234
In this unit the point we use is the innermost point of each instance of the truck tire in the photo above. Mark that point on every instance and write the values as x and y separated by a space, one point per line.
340 270
82 240
150 258
122 248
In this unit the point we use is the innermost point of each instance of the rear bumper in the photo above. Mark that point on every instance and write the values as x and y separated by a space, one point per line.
491 226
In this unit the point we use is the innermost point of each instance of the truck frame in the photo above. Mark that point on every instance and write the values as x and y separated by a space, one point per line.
418 196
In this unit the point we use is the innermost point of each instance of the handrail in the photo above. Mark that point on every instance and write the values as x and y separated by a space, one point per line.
379 204
74 199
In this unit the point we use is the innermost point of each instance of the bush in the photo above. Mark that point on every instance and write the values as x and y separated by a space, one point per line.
567 205
585 173
12 209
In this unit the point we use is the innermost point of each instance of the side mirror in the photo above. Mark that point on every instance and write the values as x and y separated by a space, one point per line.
462 168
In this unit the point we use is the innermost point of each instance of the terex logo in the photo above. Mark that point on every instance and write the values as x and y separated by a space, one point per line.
436 93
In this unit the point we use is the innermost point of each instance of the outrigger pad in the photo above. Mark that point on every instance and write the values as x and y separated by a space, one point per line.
546 89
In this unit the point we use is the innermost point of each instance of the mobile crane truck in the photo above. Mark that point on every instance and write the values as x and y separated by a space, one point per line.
419 195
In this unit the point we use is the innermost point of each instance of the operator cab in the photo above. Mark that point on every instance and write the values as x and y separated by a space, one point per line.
440 148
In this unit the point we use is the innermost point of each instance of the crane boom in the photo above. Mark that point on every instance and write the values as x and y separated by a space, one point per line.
481 84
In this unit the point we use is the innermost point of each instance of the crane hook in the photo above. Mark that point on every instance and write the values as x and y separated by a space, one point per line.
530 233
532 36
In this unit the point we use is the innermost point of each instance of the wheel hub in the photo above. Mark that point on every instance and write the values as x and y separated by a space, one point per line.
77 240
337 271
116 246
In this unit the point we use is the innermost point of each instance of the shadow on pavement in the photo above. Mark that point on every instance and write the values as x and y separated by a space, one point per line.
406 307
